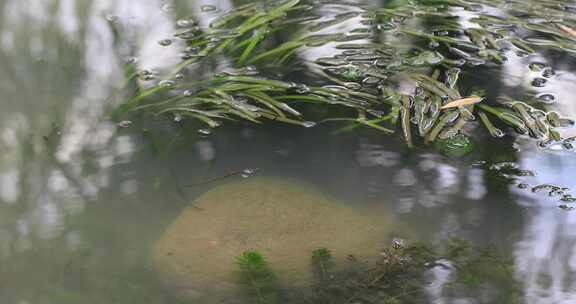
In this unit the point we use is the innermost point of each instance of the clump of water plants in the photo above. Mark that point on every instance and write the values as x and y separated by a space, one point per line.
400 274
256 278
364 83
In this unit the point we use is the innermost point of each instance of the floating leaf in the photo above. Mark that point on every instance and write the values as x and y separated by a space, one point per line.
463 102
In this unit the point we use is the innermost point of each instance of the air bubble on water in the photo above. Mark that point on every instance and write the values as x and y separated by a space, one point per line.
308 124
207 8
548 72
523 186
250 70
112 18
185 23
300 88
188 35
192 50
433 44
188 93
168 7
125 124
248 172
131 60
147 77
214 124
205 131
178 118
497 133
386 26
186 56
539 82
548 98
179 76
536 66
165 42
167 83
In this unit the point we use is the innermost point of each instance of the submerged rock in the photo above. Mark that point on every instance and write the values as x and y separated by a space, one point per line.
284 220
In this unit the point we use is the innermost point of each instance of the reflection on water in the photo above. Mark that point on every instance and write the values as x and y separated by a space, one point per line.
71 180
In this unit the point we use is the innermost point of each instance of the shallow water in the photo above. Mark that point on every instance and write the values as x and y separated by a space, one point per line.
81 200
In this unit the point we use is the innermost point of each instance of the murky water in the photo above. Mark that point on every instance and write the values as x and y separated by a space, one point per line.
82 200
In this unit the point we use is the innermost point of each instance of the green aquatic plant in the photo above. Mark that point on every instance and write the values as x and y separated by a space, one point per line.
398 274
322 264
457 145
256 277
360 82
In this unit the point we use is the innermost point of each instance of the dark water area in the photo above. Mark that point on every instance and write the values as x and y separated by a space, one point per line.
83 199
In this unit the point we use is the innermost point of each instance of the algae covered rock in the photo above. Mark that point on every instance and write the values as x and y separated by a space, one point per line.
282 219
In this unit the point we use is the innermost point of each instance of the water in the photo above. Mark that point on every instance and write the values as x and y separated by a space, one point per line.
82 199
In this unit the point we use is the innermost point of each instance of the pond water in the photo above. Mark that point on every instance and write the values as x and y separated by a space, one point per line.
82 200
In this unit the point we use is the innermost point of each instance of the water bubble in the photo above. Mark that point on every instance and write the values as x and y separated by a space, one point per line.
125 124
398 243
167 83
205 132
165 42
536 66
179 76
178 118
131 60
433 44
539 82
185 23
308 124
300 88
187 35
523 185
187 56
248 172
112 18
386 26
188 93
250 70
548 98
192 50
495 132
168 7
548 72
146 75
207 8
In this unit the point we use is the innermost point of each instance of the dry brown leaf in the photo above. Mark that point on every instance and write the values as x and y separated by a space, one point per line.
463 102
568 30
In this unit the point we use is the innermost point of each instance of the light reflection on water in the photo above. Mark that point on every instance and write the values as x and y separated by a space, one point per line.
62 62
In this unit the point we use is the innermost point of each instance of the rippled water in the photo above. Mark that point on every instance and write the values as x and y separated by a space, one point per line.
81 198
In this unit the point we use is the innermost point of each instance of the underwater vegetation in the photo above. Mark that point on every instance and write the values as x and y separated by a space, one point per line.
257 277
391 74
400 274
